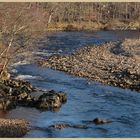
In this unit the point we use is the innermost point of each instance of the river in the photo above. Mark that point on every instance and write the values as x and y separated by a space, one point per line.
86 99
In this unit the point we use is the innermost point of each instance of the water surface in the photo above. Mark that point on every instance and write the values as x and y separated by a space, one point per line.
86 99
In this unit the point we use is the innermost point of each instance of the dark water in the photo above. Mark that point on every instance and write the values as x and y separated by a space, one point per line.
67 42
86 99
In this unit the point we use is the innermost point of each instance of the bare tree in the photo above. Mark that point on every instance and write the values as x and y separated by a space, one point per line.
18 23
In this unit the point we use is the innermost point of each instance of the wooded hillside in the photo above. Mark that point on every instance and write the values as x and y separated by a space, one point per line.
72 12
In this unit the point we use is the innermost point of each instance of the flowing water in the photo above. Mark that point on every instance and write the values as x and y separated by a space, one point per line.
86 99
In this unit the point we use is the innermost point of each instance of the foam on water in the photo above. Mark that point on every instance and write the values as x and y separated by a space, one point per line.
24 62
46 53
25 77
14 71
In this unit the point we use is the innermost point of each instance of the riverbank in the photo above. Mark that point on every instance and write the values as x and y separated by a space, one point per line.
15 93
13 127
21 93
91 26
114 63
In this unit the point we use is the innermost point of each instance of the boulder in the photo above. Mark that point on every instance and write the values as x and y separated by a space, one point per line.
98 121
17 92
51 100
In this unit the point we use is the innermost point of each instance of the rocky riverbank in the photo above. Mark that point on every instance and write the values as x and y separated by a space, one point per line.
13 128
21 93
114 63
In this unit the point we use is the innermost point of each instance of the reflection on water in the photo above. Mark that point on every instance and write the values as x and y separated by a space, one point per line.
86 99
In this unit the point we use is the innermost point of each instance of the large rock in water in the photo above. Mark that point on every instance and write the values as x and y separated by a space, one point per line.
17 92
13 127
51 100
98 121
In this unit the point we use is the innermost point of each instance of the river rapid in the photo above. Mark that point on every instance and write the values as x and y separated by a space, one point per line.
86 99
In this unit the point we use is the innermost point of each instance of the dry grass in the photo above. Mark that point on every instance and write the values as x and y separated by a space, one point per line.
75 26
88 25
